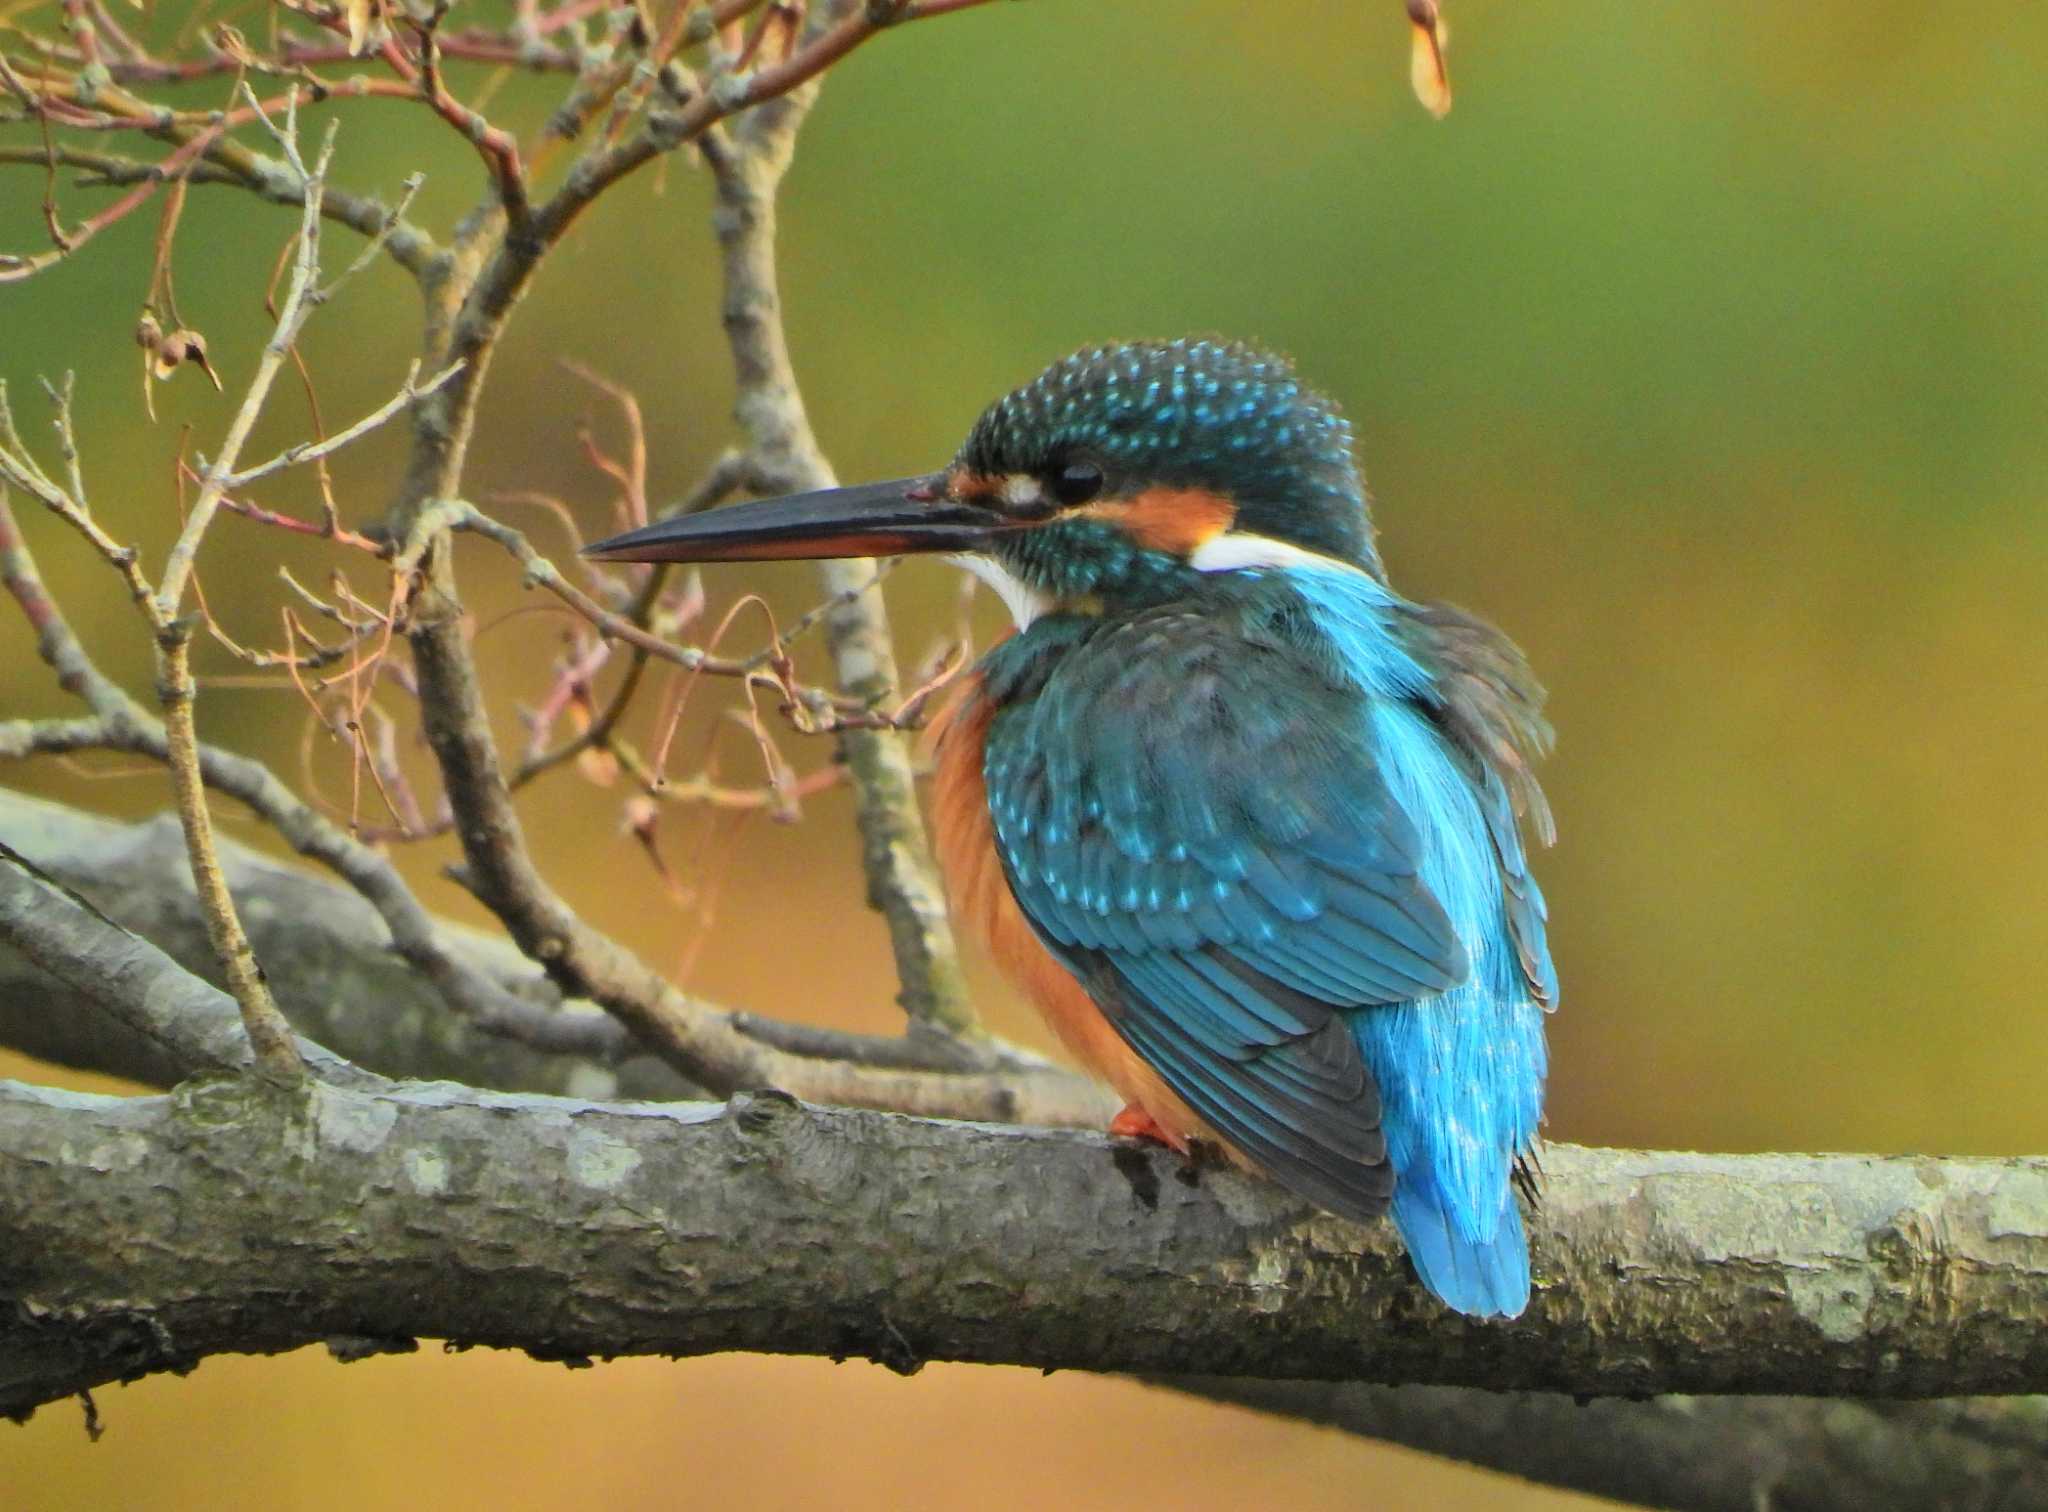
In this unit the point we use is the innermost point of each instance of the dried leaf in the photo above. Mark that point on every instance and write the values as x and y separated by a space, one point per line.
149 336
598 765
233 45
181 348
369 25
642 822
1427 70
641 813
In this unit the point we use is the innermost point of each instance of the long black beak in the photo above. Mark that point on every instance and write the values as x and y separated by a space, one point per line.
870 519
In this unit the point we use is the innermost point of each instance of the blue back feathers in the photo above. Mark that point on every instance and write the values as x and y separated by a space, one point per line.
1248 832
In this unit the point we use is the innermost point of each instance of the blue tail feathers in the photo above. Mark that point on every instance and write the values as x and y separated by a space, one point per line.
1487 1278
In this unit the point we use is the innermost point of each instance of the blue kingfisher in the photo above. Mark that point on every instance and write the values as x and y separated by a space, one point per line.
1244 823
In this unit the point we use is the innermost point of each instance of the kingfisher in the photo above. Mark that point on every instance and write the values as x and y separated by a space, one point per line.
1244 823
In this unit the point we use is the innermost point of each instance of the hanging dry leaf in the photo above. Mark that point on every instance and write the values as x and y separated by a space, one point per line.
598 765
1427 70
600 768
163 354
369 25
231 44
183 347
149 336
642 822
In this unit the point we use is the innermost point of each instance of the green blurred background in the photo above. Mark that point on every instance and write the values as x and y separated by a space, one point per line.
1705 349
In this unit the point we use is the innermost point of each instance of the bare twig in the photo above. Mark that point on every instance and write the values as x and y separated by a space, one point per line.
473 45
203 154
895 852
538 571
123 725
268 1031
271 1036
826 42
309 451
301 297
499 149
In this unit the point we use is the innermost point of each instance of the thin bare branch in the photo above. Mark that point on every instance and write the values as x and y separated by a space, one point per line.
301 296
895 852
203 154
121 724
311 451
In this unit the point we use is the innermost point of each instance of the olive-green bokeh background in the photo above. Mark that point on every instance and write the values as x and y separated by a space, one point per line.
1705 349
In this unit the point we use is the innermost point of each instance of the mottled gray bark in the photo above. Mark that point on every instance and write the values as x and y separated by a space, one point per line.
909 1240
1703 1454
145 1233
342 983
325 950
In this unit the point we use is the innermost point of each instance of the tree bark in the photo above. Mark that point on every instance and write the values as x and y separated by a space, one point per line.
145 1233
325 950
333 961
1702 1454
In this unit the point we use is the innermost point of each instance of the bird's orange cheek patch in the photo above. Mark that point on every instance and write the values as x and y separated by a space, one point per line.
1174 520
975 488
962 484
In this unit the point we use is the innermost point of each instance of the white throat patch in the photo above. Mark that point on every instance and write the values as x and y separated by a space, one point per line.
1024 602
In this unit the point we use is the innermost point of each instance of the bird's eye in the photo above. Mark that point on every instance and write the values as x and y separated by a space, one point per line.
1077 483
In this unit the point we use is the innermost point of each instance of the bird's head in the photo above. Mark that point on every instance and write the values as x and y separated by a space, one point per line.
1119 474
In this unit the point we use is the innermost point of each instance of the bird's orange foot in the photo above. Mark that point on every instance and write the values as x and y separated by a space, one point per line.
1135 1123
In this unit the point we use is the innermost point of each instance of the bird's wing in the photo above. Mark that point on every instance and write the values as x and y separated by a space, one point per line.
1198 828
1490 706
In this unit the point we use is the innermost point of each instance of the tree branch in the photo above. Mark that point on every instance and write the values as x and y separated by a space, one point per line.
410 392
468 305
316 942
332 961
334 972
203 155
121 724
749 165
189 1025
280 1215
1701 1454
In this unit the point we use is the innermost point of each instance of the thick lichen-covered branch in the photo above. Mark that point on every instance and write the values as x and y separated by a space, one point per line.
333 960
1701 1454
176 1019
277 1216
336 973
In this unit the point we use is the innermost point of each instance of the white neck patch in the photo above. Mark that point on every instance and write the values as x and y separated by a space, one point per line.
1235 549
1024 602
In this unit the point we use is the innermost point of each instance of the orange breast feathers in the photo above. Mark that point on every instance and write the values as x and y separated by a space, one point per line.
982 901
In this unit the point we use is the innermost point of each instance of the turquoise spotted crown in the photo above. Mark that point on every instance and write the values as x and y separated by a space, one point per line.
1219 416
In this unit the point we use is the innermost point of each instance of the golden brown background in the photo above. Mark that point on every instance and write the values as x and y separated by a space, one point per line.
1705 348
